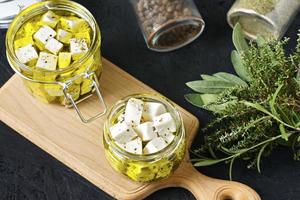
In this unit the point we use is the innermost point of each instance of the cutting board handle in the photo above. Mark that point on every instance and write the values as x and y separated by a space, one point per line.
206 188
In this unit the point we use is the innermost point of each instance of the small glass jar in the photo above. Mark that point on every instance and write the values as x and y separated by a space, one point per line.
150 167
168 24
67 86
267 18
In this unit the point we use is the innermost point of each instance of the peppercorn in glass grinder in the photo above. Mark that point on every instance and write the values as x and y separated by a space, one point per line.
168 24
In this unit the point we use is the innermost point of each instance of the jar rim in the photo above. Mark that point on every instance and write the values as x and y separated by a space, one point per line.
148 157
232 15
50 5
173 24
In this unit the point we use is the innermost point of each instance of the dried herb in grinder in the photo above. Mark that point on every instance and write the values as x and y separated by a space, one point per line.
268 18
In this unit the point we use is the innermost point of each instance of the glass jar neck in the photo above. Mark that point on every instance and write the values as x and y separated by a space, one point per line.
160 39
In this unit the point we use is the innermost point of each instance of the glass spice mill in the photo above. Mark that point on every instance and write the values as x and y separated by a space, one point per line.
168 24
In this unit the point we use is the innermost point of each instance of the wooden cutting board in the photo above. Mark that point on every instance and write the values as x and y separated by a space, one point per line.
58 131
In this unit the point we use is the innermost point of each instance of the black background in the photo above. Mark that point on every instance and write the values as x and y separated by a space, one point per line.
27 172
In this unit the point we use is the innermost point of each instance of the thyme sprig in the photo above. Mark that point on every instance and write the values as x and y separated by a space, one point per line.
255 110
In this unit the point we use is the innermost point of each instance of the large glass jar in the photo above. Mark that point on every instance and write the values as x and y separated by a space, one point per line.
168 24
67 86
267 18
150 167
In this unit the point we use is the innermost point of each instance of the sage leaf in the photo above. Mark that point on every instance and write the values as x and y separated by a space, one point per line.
238 39
209 77
231 78
259 108
219 108
261 41
283 132
201 100
207 162
239 68
211 87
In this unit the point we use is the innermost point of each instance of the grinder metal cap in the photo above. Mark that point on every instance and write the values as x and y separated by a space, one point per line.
10 8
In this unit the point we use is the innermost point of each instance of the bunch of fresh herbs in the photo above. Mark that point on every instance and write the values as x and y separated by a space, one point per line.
255 110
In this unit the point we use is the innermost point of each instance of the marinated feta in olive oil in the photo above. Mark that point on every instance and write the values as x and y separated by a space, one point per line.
51 42
144 129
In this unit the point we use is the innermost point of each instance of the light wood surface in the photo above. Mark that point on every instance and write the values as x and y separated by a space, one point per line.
58 131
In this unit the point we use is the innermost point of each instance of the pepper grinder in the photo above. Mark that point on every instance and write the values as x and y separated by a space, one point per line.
168 24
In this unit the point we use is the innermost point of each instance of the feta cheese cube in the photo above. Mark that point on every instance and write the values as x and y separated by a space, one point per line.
50 19
23 42
164 123
63 36
168 137
64 59
133 111
54 90
53 46
42 36
74 91
122 133
86 86
153 109
84 35
146 131
155 145
47 61
134 146
26 54
78 48
30 28
74 24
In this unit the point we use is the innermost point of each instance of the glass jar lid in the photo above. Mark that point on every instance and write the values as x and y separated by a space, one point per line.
10 8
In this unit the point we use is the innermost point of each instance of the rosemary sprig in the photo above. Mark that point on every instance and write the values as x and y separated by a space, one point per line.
256 110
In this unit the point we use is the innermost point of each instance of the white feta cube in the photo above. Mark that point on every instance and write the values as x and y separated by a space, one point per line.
168 137
26 54
44 34
53 46
50 19
64 59
122 133
155 145
134 146
164 123
47 61
153 109
73 24
63 36
133 111
78 48
146 131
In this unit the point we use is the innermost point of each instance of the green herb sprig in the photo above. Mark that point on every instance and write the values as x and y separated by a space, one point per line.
255 110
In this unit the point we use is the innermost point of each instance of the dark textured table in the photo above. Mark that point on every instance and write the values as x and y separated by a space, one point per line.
27 172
